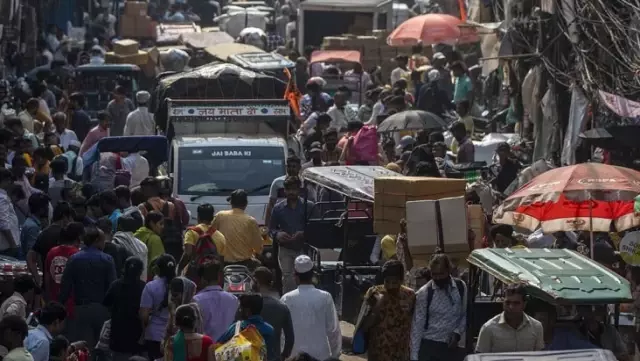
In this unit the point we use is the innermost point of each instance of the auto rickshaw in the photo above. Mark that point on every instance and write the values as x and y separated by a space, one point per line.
345 61
559 277
342 221
97 82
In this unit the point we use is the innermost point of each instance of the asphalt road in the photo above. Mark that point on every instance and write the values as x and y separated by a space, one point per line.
347 333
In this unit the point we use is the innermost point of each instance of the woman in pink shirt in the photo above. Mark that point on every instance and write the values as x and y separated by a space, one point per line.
97 133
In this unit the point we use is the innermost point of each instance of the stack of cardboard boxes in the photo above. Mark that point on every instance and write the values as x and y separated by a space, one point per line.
127 51
135 23
373 49
393 193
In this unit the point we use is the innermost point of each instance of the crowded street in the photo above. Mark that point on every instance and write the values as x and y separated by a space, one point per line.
317 180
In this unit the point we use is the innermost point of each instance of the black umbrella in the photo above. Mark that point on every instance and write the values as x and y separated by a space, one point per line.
411 120
613 137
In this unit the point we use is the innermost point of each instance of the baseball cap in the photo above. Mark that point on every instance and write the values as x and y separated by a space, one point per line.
439 56
303 264
406 141
315 147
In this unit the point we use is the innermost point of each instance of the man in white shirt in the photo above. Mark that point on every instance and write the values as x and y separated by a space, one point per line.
65 136
140 121
512 330
341 113
402 71
28 115
138 166
315 321
291 25
9 227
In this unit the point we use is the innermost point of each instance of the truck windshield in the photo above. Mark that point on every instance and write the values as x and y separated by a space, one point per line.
218 171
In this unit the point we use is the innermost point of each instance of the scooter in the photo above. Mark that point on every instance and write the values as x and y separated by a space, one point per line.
237 280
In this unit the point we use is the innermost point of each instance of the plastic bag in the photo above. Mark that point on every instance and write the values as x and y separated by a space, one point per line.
245 345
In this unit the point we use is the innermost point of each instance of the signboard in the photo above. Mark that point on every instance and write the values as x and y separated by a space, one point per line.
246 110
248 116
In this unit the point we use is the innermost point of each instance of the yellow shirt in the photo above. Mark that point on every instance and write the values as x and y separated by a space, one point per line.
388 246
242 233
219 240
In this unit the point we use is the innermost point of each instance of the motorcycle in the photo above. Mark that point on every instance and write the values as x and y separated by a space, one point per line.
237 280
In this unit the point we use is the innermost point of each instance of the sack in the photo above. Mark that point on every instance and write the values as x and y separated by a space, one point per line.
459 286
365 145
105 336
204 249
245 345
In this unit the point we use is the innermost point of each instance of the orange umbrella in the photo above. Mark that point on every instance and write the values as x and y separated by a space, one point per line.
432 29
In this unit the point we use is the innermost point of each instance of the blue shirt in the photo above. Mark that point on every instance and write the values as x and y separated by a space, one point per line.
565 338
28 235
37 343
87 290
290 220
265 329
114 219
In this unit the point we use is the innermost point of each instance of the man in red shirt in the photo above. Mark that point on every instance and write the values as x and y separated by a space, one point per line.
57 259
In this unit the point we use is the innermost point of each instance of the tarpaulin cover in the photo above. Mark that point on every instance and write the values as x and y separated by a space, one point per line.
214 81
156 146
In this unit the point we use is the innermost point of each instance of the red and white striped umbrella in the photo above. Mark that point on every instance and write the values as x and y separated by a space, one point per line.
583 197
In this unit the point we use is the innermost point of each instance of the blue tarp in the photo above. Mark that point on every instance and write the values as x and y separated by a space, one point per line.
156 146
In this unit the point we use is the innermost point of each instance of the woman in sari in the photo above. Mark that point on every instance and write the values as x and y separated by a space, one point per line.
187 344
181 291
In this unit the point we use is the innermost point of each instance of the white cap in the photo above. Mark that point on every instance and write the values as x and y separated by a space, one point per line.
439 56
303 264
143 96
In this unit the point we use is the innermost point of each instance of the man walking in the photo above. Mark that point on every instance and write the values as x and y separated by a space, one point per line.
314 316
439 319
275 313
88 292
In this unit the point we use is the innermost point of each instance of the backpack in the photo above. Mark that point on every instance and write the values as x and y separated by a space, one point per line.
365 145
459 285
172 232
204 250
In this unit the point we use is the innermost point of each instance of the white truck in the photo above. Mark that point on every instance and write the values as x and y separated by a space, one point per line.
219 146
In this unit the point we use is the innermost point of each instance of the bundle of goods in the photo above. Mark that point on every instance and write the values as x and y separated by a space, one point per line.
127 51
135 23
393 193
374 49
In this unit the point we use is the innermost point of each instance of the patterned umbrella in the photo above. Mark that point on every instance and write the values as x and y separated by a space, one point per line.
432 29
583 197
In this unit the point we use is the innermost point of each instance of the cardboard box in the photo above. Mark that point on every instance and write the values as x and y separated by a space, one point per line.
126 47
128 26
135 8
391 195
141 58
137 27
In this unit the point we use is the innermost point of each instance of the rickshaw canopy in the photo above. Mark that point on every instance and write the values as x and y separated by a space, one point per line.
351 181
335 56
556 276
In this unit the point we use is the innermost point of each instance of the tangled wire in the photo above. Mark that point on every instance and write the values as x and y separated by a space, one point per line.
605 37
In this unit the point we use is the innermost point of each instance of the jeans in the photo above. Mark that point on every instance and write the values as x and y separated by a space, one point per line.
286 259
87 323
